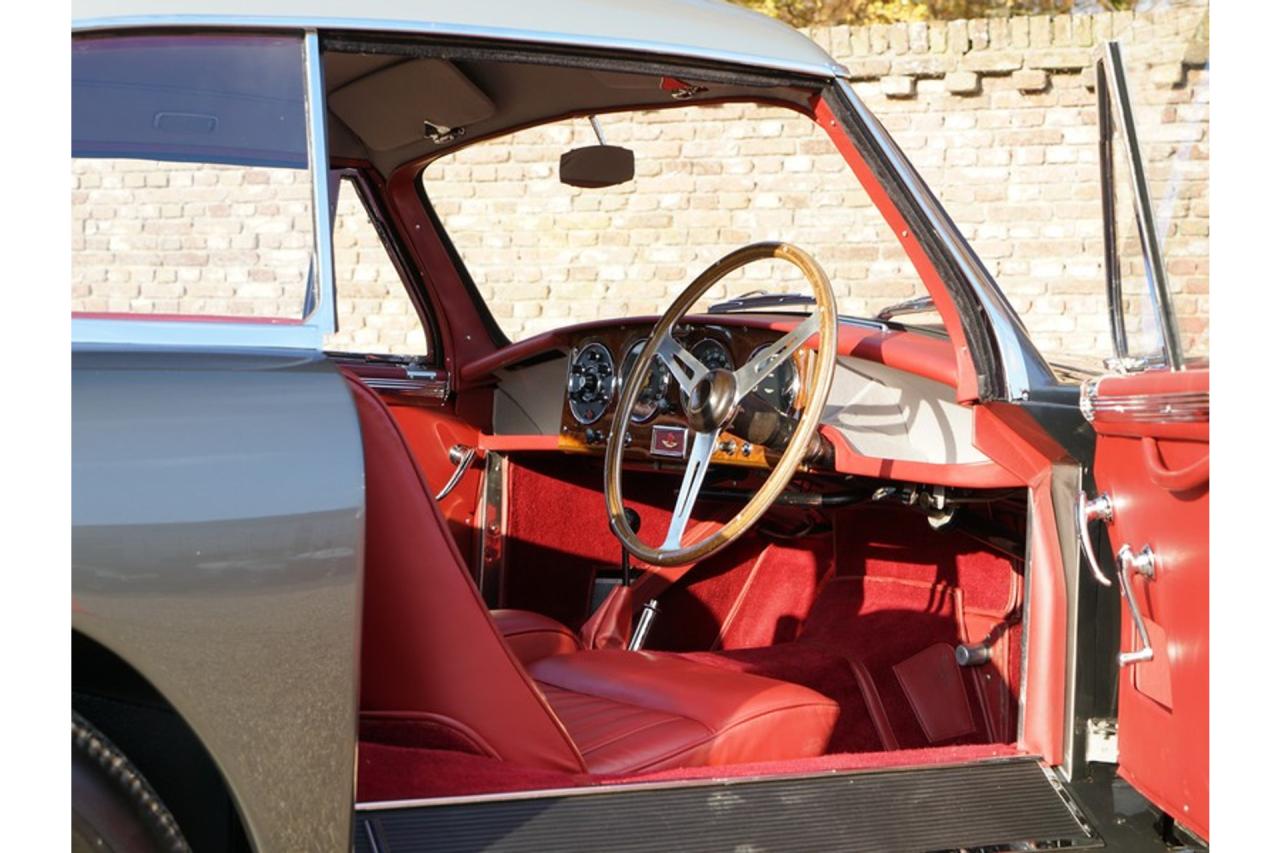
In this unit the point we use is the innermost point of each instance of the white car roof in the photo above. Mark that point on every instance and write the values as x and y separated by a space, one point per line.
704 29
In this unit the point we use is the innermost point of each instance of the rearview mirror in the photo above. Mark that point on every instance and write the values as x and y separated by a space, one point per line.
597 166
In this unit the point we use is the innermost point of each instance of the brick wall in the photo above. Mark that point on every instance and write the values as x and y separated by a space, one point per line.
998 115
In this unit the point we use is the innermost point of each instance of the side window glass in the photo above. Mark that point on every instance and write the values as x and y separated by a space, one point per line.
191 199
375 313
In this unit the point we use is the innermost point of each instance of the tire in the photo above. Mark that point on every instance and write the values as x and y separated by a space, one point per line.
113 809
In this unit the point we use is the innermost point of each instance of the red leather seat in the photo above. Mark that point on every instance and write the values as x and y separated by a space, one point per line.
434 663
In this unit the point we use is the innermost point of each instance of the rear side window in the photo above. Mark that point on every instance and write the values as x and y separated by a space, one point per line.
191 192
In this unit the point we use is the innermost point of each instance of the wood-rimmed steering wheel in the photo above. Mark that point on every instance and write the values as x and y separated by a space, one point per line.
713 396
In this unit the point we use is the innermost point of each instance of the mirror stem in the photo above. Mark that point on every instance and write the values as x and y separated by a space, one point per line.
595 125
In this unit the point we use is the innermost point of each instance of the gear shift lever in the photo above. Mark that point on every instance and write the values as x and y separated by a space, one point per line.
650 610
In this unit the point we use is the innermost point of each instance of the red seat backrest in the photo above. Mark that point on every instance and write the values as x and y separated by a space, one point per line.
430 651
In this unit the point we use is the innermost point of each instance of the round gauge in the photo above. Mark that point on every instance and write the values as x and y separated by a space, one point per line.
653 393
592 383
781 387
712 353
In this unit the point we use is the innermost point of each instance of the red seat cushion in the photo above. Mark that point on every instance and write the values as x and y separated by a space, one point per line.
636 711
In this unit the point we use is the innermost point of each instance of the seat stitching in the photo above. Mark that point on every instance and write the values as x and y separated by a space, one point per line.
731 727
597 747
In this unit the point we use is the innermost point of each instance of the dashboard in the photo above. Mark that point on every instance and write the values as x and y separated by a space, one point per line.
882 419
599 364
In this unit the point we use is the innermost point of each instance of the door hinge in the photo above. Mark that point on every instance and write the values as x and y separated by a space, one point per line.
1100 744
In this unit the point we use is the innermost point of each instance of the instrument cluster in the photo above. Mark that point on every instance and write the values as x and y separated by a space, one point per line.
595 378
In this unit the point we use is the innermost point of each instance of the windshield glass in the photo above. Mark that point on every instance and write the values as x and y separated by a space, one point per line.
708 179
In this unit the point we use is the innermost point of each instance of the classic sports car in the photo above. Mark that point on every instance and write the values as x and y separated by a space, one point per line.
753 573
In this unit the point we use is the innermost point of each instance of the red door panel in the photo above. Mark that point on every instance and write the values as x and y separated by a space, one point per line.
1152 460
430 433
431 427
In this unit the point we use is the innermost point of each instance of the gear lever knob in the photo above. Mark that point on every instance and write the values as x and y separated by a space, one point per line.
633 519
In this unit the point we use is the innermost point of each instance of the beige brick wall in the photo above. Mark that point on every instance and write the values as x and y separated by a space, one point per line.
998 115
176 238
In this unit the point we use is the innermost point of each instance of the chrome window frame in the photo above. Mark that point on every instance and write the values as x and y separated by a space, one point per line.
1115 113
322 301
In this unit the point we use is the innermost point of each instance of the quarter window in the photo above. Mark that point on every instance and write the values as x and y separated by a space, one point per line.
375 313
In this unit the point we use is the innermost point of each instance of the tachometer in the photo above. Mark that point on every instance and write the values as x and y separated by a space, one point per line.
653 393
591 383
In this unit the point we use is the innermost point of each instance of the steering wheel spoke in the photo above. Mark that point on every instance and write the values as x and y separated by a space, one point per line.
751 374
704 444
684 366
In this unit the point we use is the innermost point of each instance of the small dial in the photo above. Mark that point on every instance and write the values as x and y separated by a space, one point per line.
591 383
653 393
781 387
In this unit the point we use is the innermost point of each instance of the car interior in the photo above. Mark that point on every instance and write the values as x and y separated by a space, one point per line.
871 616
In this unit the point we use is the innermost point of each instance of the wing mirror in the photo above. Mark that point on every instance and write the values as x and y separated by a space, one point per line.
595 166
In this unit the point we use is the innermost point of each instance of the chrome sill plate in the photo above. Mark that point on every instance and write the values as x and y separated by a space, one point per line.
1002 804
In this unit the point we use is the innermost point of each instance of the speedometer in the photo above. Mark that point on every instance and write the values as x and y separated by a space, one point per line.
654 390
781 387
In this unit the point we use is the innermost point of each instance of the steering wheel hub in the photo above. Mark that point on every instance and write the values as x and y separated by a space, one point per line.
712 402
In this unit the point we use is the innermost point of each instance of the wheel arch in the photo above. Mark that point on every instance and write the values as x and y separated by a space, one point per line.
126 707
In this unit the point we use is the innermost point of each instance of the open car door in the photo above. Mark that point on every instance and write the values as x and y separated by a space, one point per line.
1151 470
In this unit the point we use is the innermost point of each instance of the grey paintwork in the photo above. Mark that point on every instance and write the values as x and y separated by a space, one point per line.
217 539
706 29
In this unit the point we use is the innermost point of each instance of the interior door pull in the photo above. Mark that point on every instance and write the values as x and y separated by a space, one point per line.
1144 563
1088 510
459 455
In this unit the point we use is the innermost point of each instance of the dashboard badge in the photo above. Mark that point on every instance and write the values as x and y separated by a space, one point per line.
668 441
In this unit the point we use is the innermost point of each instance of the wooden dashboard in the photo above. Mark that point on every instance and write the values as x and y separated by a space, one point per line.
891 413
653 437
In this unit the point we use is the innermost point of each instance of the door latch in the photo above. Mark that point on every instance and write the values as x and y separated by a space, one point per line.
1144 563
1089 510
461 456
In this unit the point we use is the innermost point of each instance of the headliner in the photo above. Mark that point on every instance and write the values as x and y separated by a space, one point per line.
705 29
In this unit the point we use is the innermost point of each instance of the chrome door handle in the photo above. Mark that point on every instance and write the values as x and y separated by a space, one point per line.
1087 510
1144 563
460 455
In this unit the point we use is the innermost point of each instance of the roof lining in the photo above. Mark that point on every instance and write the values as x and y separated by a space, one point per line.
517 110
